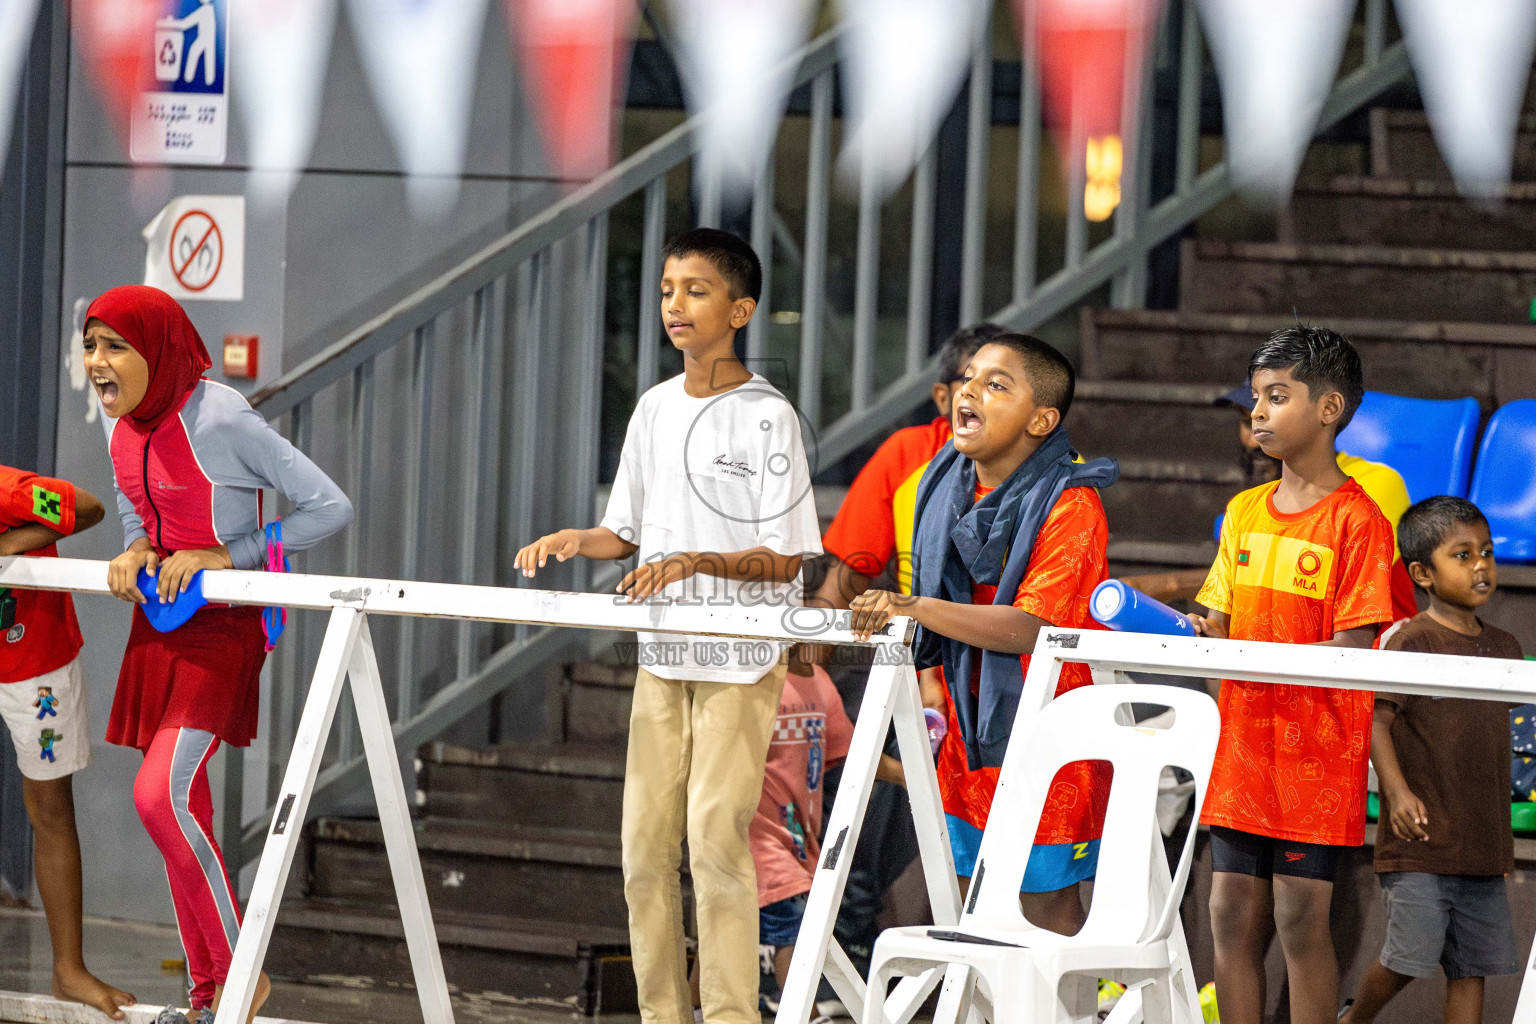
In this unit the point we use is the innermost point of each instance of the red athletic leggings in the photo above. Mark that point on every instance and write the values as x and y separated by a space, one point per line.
171 793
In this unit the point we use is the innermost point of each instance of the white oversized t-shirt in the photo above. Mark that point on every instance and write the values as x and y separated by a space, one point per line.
725 473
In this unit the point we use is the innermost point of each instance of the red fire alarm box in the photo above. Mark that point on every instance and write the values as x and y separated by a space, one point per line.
240 355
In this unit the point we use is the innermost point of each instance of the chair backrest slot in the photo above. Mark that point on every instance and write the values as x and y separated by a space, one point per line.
1095 723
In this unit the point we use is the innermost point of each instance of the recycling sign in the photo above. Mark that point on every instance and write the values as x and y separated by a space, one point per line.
184 117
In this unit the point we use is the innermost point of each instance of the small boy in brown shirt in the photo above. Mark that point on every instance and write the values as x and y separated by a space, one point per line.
1444 844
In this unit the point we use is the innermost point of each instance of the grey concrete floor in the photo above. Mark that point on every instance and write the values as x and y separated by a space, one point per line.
131 955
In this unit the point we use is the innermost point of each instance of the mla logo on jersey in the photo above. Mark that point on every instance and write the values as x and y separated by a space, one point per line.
1308 564
1286 564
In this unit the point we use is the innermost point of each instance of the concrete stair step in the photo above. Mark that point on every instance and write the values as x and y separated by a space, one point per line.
1493 363
580 968
1172 572
1168 502
1314 281
598 701
1139 420
478 867
1409 212
561 785
1402 146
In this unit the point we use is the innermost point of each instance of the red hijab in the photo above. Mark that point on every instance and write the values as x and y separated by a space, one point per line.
158 329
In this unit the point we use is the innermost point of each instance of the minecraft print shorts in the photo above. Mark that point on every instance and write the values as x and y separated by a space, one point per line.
49 722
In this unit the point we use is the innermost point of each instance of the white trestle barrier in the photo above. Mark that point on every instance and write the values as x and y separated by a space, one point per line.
892 696
347 656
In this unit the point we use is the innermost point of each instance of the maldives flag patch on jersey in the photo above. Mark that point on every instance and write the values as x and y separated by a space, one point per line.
1242 557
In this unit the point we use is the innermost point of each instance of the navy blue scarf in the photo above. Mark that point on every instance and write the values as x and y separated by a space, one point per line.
958 541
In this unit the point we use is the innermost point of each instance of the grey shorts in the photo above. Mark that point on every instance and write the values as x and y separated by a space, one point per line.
1458 922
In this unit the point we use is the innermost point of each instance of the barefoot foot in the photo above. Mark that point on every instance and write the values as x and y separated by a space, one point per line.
259 999
79 985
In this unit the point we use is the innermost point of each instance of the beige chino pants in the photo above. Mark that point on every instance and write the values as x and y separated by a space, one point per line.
695 768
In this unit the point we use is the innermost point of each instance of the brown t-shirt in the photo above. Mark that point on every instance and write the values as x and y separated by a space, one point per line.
1455 757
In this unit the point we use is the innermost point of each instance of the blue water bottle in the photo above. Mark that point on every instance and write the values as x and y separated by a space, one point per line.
1128 610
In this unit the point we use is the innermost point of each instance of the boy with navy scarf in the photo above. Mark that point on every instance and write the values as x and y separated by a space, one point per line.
1010 537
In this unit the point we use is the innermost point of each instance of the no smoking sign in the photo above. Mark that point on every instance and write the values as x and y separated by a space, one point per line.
195 248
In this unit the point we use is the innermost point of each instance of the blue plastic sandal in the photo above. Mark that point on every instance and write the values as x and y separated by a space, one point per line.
168 616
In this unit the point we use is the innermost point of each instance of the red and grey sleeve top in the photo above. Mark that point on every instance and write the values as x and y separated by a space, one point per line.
194 481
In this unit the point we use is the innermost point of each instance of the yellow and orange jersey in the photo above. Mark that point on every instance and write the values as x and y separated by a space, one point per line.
874 523
1291 762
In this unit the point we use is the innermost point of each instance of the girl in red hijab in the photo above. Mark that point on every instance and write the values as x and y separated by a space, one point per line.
190 458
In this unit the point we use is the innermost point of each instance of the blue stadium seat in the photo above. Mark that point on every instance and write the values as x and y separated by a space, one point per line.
1430 442
1505 486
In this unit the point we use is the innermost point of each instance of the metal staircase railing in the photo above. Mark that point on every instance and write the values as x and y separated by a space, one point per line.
464 420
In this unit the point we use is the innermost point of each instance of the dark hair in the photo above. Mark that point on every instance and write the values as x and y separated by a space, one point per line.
957 351
727 253
1321 359
1425 525
1047 370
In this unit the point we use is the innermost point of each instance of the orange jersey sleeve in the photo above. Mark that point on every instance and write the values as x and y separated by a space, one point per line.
1405 597
1367 550
1216 592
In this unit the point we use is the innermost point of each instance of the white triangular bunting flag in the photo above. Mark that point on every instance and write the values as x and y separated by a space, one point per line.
16 20
1277 62
736 71
1471 59
420 57
906 60
283 48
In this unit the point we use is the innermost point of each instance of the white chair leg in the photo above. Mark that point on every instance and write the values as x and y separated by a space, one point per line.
1022 997
981 1004
956 995
1183 993
1159 998
1130 1009
880 974
1078 995
882 971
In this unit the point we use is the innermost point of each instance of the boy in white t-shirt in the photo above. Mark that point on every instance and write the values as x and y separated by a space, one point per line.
714 494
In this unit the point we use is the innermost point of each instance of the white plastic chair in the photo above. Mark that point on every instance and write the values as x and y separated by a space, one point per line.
1031 974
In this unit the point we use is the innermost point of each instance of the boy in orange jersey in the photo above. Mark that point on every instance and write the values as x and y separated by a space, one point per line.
1305 560
1010 537
874 523
870 544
